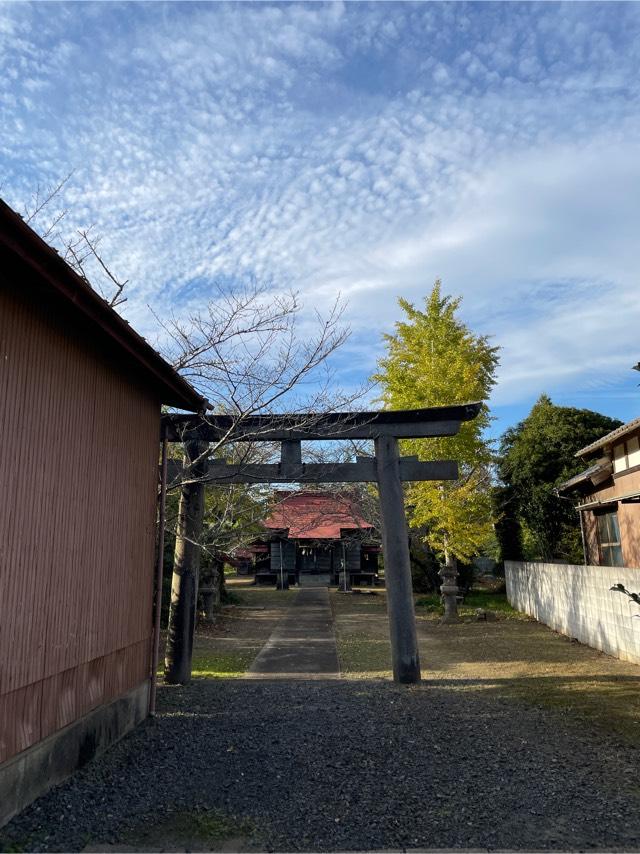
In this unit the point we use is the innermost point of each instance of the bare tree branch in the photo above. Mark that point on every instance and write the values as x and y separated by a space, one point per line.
77 250
43 198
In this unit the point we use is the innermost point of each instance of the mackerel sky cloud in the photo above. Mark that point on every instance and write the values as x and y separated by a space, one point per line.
354 148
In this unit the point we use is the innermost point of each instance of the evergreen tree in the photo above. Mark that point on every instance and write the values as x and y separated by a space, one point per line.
535 456
433 359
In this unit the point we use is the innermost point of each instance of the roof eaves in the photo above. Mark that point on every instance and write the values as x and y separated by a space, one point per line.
611 437
21 241
594 474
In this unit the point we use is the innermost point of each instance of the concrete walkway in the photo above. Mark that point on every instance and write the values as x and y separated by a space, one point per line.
303 645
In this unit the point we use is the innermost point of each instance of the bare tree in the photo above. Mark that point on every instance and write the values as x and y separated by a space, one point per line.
250 351
246 351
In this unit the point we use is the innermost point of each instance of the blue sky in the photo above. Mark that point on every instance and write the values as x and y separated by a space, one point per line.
354 148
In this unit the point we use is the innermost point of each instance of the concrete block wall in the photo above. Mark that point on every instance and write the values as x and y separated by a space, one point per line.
577 601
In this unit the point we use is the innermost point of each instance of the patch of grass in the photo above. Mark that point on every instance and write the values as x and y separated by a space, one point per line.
267 596
496 602
198 829
430 602
515 658
363 656
227 647
210 825
217 663
362 636
609 703
13 847
485 599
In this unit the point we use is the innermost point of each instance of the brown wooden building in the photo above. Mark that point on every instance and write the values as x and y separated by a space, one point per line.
80 398
609 497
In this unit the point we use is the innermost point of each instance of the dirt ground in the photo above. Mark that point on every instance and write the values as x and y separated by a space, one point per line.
227 647
511 721
513 656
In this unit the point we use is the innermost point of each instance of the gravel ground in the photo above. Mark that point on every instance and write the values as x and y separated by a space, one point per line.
351 766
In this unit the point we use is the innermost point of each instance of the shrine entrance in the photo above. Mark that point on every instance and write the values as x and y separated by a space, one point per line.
386 468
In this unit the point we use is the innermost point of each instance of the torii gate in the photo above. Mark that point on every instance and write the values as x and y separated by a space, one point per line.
387 468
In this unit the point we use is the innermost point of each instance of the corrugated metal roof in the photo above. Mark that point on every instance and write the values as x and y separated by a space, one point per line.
618 433
22 249
605 502
315 515
587 474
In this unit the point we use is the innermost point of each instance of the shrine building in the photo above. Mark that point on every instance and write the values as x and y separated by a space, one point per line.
315 536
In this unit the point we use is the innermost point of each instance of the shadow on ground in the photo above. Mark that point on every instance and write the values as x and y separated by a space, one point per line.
361 765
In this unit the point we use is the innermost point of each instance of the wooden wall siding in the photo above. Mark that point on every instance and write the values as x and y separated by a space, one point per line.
288 555
629 516
354 556
32 713
78 473
591 537
323 560
628 519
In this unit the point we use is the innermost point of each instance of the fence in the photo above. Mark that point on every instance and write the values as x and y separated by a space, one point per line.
577 601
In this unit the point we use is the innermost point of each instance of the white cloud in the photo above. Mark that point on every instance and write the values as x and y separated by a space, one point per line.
366 149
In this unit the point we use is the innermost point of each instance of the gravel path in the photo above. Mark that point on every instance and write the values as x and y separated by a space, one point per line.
340 765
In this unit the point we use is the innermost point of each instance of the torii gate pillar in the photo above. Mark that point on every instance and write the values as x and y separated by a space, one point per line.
397 565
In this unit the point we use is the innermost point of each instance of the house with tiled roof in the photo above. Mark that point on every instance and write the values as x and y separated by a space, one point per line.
608 494
314 537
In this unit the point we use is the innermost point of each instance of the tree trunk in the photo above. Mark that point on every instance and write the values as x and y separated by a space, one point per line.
186 564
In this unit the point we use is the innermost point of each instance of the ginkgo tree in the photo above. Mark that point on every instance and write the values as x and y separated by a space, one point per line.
433 359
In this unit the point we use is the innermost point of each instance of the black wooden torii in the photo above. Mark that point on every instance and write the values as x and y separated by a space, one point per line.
387 468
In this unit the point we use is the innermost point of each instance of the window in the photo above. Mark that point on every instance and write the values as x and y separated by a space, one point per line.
619 457
633 452
609 539
626 455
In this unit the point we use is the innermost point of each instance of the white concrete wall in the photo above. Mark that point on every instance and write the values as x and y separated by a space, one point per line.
577 601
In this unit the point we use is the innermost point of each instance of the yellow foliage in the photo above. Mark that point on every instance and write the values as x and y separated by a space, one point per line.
433 359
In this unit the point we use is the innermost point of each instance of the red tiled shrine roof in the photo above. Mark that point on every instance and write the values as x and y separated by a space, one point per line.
314 515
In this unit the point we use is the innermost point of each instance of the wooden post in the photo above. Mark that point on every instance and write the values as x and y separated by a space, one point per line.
282 580
159 575
186 565
345 579
290 454
395 543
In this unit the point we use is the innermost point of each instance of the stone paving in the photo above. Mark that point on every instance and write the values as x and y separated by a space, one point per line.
303 645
